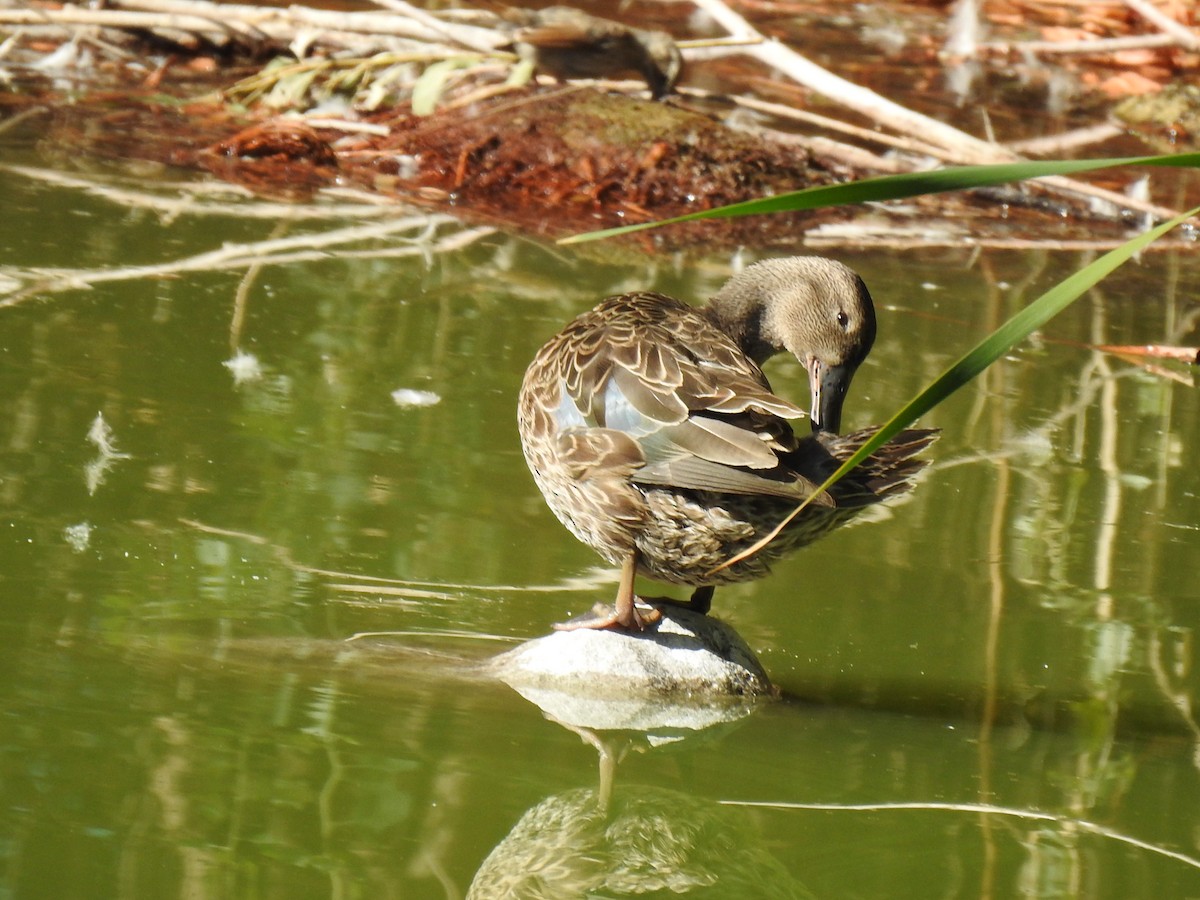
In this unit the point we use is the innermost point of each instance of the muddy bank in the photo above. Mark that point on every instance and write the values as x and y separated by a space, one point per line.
546 161
349 105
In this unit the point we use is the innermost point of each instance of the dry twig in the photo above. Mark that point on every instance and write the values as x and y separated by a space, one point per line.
1091 47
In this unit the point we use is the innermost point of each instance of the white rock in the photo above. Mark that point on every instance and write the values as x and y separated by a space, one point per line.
689 671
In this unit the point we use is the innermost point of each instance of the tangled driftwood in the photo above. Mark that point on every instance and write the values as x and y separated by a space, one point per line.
460 58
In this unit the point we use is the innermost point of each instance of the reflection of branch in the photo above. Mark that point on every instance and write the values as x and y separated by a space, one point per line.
175 199
979 809
436 632
588 581
1108 526
991 648
303 248
1180 699
931 235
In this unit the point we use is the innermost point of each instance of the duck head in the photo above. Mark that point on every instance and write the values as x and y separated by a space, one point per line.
660 61
816 309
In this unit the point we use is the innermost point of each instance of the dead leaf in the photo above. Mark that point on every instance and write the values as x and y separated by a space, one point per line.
1128 84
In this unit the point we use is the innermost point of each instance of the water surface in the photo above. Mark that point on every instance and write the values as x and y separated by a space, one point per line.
988 692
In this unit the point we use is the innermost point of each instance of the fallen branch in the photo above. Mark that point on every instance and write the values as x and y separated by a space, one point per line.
1085 47
283 24
382 46
1059 144
958 144
363 33
946 142
1179 33
469 36
118 19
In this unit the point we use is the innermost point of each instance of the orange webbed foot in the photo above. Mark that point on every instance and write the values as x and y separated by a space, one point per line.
635 618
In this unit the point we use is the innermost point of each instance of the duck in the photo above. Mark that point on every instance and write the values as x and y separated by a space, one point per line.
656 439
568 43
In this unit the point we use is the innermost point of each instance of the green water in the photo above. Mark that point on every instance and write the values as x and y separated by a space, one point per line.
989 691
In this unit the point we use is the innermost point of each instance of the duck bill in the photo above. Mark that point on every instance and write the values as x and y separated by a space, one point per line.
828 386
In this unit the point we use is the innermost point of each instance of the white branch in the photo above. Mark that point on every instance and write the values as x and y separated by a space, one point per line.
955 146
1164 23
1083 47
963 146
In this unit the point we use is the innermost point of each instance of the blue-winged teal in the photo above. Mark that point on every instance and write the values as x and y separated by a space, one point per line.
569 43
656 438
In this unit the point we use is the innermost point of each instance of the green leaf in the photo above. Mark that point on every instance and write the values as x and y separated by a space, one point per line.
893 187
429 87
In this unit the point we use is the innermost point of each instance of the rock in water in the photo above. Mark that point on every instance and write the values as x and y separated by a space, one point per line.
673 675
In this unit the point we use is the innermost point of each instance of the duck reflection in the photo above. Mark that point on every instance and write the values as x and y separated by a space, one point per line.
643 841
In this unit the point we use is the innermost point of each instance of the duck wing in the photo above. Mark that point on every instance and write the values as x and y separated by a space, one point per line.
702 412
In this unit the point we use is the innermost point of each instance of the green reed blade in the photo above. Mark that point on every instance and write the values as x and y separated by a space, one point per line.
894 187
1004 338
982 355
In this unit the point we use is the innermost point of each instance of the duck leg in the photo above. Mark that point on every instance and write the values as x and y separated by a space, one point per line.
625 611
700 601
624 614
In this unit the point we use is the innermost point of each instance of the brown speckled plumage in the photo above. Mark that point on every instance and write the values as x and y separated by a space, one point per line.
656 439
569 43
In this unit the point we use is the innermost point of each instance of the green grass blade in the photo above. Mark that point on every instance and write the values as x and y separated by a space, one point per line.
983 354
894 187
